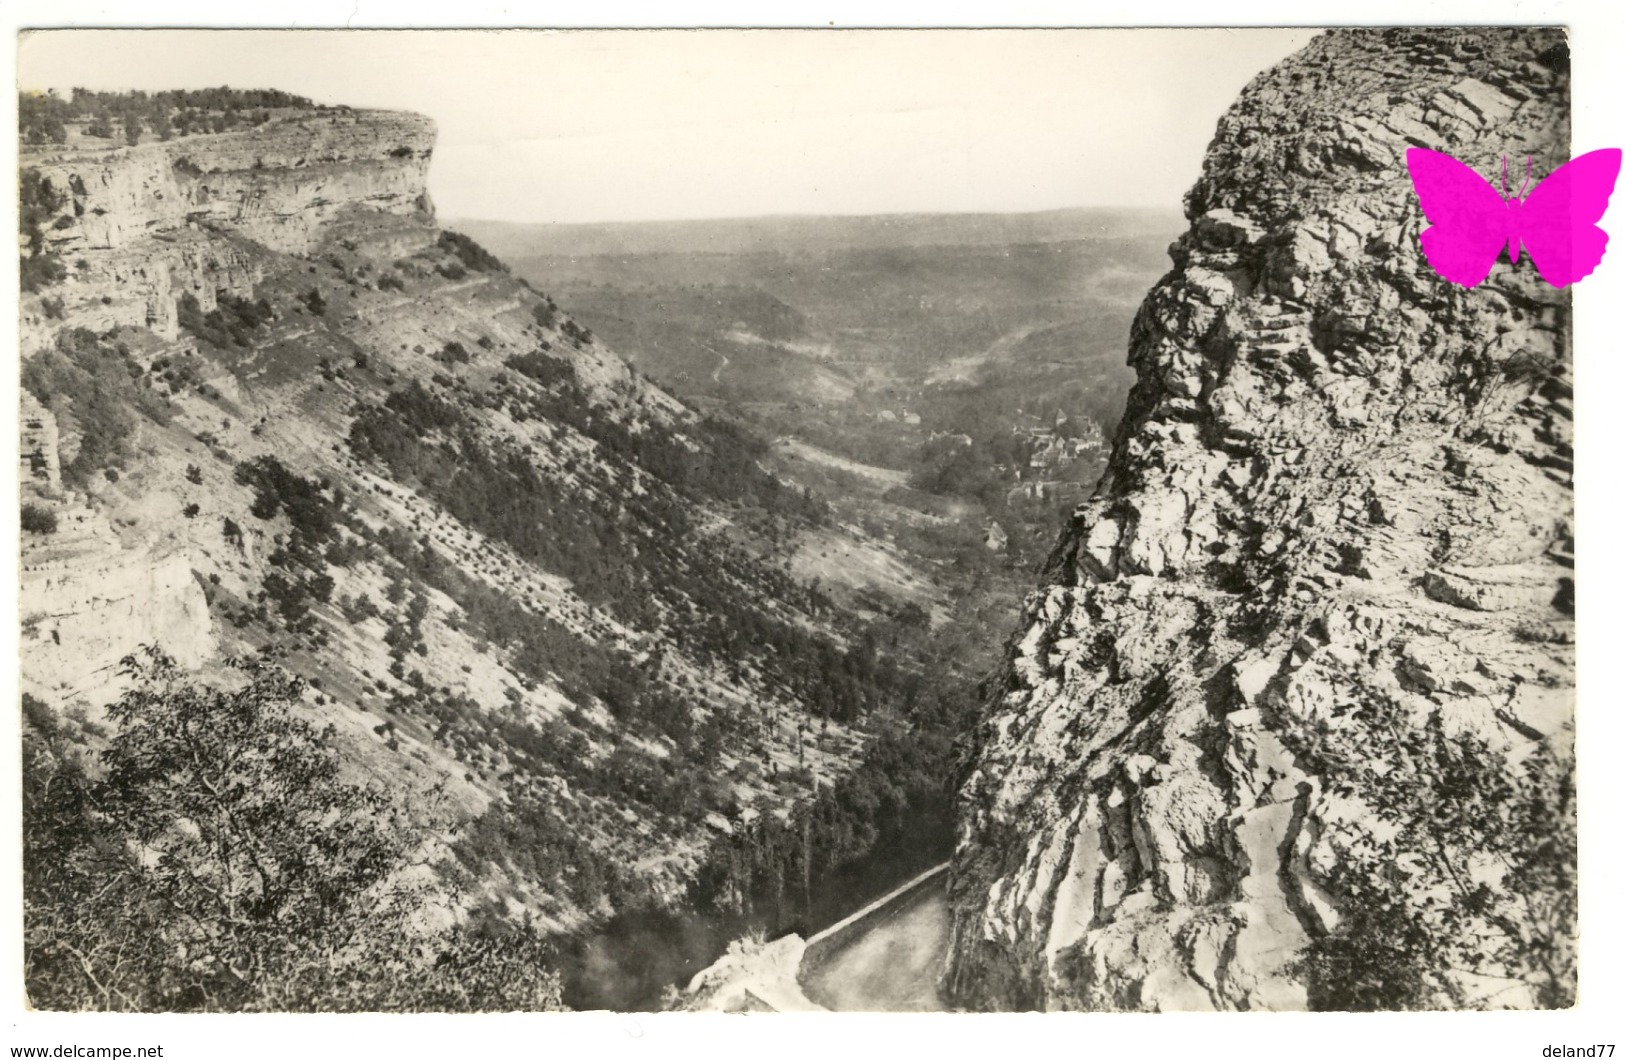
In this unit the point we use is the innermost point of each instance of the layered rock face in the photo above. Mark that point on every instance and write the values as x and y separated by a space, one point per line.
141 225
1341 496
86 600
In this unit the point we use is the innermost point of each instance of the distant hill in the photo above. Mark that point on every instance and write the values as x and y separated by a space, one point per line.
811 320
936 351
794 234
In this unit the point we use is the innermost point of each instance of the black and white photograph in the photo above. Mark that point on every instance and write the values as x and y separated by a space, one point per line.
678 521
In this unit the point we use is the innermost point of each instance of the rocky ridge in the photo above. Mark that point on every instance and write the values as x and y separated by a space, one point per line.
1337 517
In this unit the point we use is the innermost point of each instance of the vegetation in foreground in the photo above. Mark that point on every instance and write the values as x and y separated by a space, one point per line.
1463 882
212 857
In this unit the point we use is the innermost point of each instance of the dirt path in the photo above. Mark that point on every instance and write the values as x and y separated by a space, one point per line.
965 368
893 967
884 477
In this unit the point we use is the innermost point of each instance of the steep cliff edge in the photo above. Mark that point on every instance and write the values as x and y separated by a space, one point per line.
1309 647
151 222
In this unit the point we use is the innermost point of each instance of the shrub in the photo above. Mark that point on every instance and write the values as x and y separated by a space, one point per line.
38 520
1417 920
360 609
39 271
471 254
549 371
230 323
453 353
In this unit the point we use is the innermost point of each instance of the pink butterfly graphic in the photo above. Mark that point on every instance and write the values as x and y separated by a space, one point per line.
1472 221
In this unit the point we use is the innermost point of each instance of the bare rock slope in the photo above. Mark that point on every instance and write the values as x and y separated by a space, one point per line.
1327 576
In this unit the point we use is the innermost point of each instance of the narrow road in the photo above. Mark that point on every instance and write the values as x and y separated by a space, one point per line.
716 374
893 966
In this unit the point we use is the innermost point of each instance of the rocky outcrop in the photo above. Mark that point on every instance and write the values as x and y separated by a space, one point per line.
751 977
140 226
83 612
1341 496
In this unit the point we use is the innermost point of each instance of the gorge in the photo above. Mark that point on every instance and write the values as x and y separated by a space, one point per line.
665 620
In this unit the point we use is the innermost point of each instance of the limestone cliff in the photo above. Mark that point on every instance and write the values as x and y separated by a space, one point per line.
1336 521
141 225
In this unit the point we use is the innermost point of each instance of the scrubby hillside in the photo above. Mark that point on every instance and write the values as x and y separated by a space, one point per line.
969 367
1289 723
272 410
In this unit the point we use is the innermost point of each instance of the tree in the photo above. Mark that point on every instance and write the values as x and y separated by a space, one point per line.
39 116
39 200
218 860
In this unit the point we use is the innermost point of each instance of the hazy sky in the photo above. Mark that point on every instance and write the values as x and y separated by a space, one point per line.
643 125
